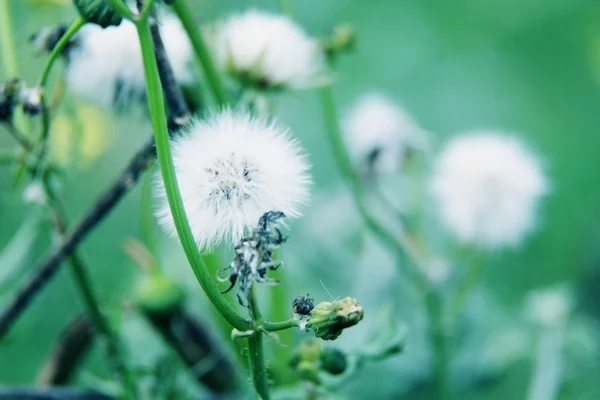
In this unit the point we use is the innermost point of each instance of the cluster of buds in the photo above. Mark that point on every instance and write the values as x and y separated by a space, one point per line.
328 320
254 255
14 93
312 359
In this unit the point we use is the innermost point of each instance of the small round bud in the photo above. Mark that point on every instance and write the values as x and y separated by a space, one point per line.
343 38
328 320
158 294
99 12
333 361
31 100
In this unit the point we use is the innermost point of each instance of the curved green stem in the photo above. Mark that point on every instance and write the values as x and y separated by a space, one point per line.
256 352
159 125
398 243
122 9
279 326
60 45
183 11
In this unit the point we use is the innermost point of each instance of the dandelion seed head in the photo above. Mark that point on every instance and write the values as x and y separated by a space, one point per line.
269 49
549 307
106 65
487 187
378 132
232 168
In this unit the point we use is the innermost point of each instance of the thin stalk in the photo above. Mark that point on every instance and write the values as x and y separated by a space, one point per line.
256 353
398 243
439 347
84 285
473 276
280 310
546 378
184 12
9 53
281 325
7 42
54 54
122 9
156 104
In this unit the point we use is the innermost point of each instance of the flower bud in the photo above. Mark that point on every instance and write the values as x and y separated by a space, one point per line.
333 361
306 361
328 320
158 294
343 38
99 12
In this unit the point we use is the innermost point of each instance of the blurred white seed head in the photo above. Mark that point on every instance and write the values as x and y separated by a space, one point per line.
106 65
269 50
487 187
549 307
34 193
231 169
378 133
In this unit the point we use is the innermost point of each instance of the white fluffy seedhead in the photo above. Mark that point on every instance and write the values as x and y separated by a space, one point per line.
487 186
378 132
106 64
232 168
268 50
549 307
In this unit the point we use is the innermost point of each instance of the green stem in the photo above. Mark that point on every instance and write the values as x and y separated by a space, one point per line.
256 352
398 243
54 54
183 11
122 9
83 283
279 326
9 54
145 12
7 42
466 287
159 125
437 337
280 310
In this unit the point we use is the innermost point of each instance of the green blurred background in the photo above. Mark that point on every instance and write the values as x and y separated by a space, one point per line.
529 67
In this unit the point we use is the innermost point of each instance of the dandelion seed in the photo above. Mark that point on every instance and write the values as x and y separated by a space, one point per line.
487 187
549 307
269 50
232 168
105 65
378 133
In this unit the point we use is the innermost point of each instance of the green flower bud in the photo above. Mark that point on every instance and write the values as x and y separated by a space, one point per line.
333 361
328 320
99 12
158 294
307 360
342 39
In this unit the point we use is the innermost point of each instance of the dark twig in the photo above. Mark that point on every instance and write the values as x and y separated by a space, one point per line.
48 268
13 393
180 114
72 346
199 350
125 182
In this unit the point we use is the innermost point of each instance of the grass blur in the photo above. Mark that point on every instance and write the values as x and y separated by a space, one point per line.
532 68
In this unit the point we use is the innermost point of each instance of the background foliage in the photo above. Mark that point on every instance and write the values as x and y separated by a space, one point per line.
528 67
